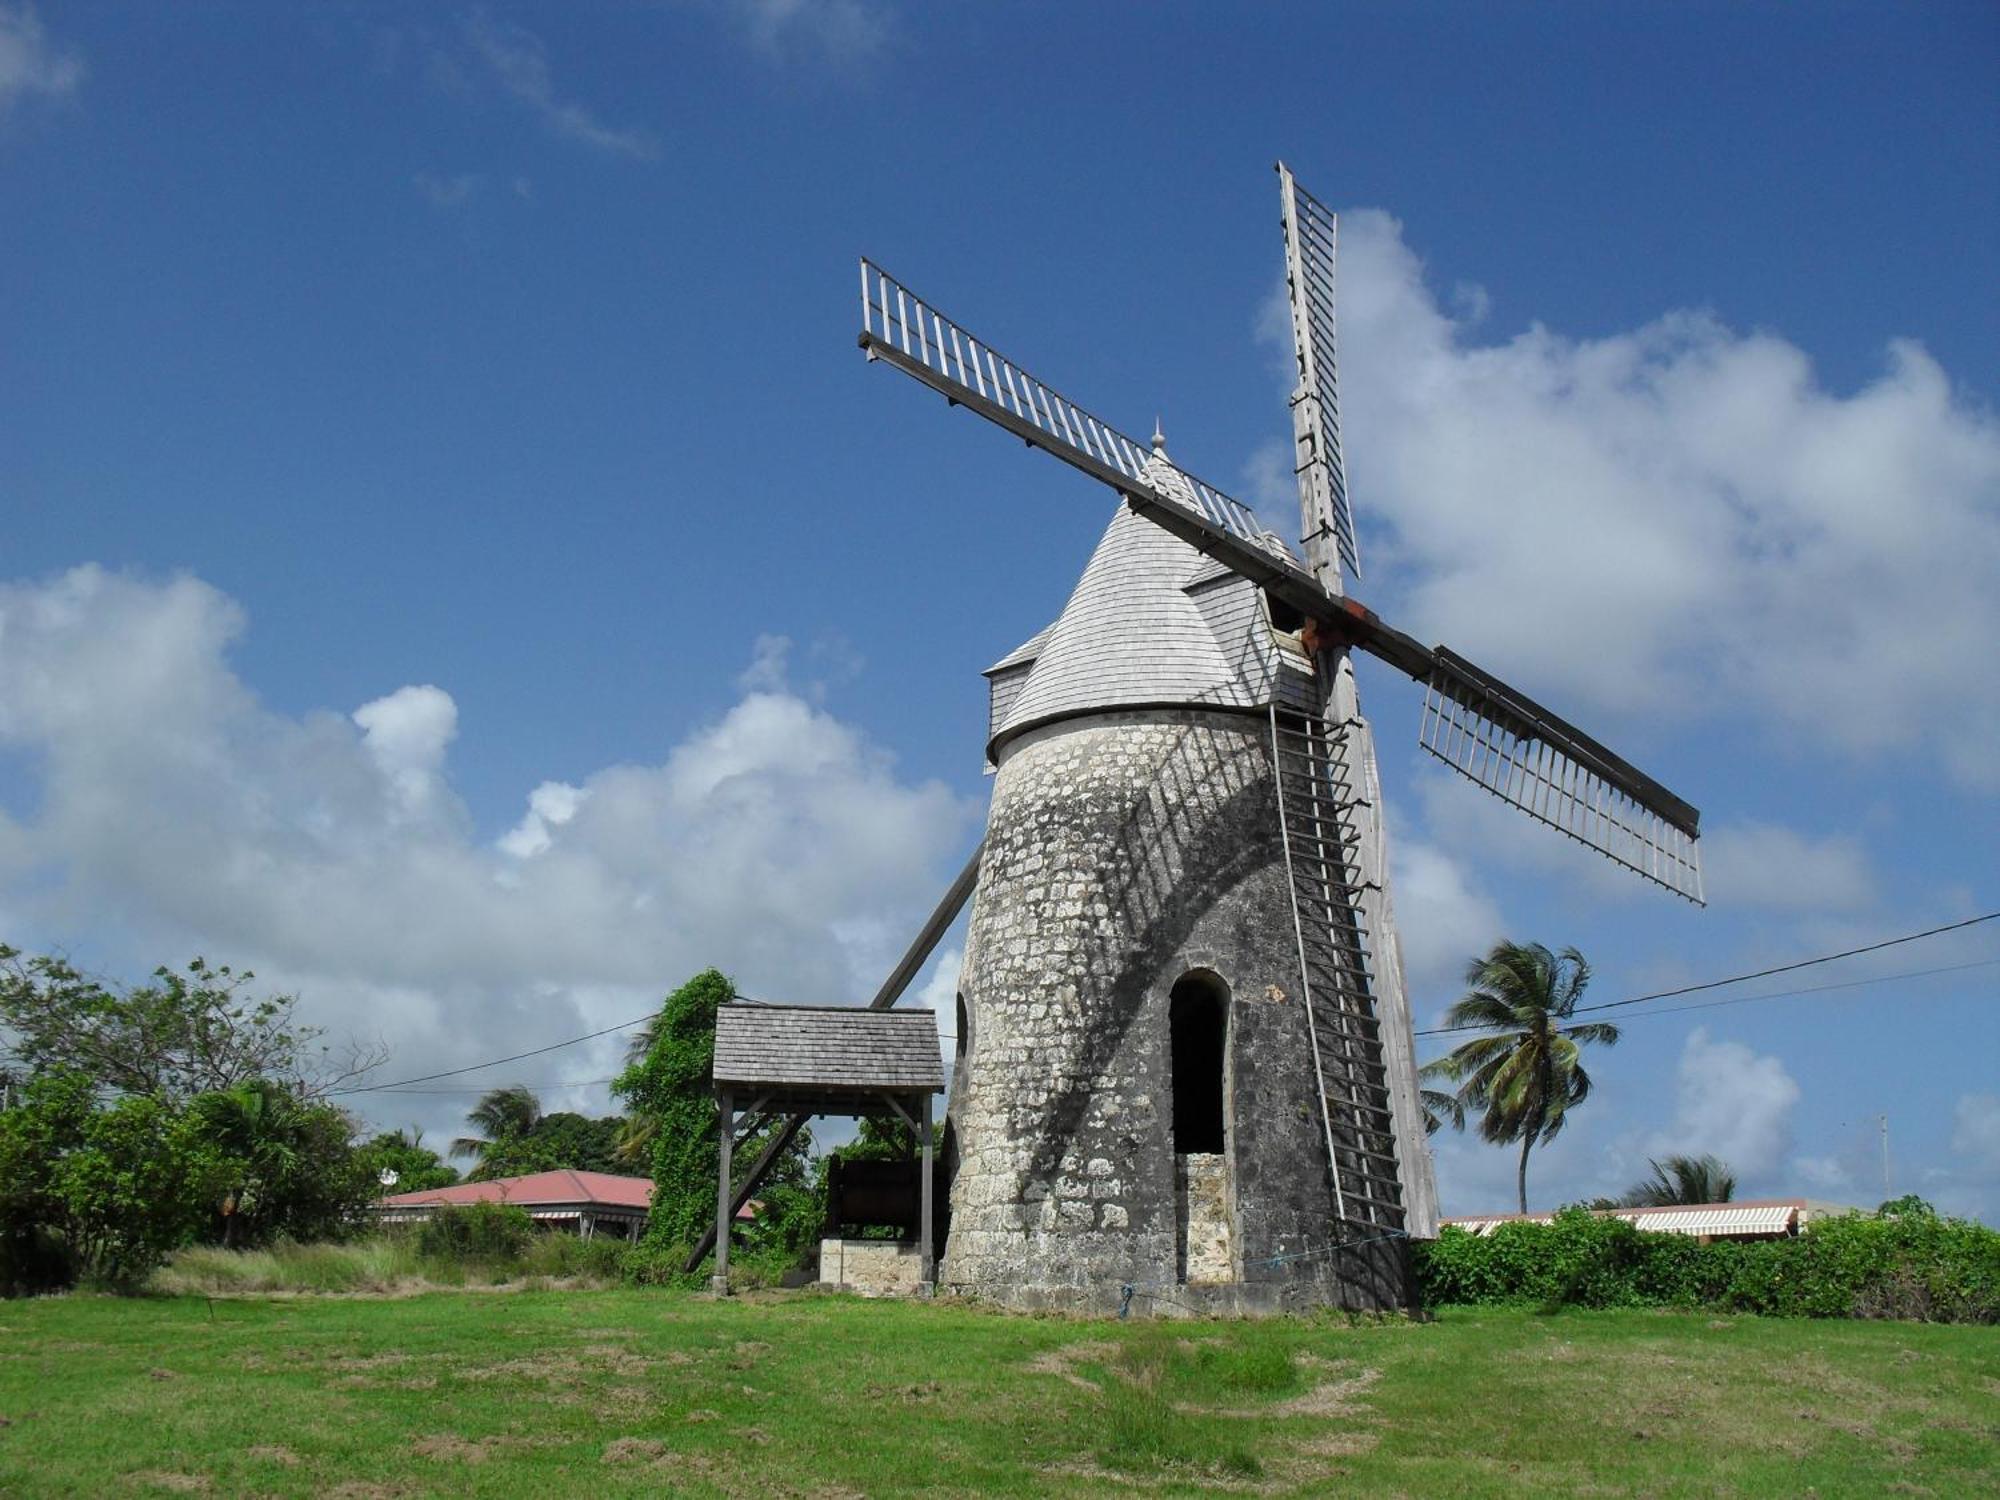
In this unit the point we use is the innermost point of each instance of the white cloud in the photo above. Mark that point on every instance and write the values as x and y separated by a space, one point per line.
1975 1133
939 995
1271 486
1733 1103
1476 1177
405 734
28 64
1766 865
447 192
1705 529
172 813
550 806
833 30
770 660
1823 1174
1444 920
519 61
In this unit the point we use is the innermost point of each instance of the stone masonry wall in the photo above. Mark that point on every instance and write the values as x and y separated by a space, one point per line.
1123 851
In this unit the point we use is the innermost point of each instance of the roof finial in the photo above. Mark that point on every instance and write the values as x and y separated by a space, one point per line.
1159 438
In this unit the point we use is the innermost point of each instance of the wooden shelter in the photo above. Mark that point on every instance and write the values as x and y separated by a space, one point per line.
774 1061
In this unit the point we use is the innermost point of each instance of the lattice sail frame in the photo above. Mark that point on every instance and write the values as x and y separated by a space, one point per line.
1312 243
1471 727
898 326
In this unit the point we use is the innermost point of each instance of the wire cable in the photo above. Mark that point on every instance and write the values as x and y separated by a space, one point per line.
1816 989
1804 963
401 1084
589 1036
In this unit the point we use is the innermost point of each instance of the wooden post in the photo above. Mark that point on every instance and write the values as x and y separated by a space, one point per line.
719 1282
924 1197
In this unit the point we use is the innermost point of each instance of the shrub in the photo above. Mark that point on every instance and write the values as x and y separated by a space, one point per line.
567 1255
1903 1265
475 1232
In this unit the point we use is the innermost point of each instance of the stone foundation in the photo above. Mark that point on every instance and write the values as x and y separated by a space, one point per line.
1201 1204
874 1268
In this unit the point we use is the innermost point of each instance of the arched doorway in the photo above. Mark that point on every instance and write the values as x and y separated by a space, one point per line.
1198 1036
1198 1026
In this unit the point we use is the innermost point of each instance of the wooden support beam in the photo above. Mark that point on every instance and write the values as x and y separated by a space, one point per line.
758 1170
924 1241
724 1205
940 919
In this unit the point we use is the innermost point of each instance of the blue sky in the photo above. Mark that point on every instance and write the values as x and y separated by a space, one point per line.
456 562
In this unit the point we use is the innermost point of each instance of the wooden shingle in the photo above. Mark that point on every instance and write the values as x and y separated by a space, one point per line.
829 1050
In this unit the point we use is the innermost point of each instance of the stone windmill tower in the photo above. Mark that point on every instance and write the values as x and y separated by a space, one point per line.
1186 1065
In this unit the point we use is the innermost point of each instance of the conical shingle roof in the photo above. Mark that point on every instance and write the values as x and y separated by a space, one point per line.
1153 623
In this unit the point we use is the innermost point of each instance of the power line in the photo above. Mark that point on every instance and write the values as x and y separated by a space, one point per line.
402 1084
1804 963
480 1088
1815 989
589 1036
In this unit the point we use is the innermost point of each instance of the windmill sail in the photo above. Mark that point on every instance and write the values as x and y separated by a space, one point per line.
1558 775
898 327
1312 236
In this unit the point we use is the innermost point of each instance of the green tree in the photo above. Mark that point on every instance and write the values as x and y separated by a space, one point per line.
669 1091
581 1143
1680 1180
670 1087
1524 1077
290 1165
189 1032
403 1152
117 1187
502 1116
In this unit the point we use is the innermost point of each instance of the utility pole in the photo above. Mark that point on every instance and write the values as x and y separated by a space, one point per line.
1886 1195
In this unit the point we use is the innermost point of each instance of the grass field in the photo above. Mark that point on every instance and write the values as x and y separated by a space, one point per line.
644 1393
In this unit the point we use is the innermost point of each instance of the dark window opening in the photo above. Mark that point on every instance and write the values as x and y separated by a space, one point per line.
1283 616
1197 1023
962 1039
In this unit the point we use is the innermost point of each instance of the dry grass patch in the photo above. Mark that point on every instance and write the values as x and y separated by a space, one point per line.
1062 1362
176 1483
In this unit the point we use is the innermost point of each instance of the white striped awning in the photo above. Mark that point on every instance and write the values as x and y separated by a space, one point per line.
1722 1220
418 1213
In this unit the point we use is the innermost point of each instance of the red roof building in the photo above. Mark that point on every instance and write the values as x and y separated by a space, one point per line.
581 1202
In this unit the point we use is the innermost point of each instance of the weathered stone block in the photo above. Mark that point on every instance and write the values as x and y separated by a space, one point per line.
874 1268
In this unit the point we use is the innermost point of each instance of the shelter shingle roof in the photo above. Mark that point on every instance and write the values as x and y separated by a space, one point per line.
827 1049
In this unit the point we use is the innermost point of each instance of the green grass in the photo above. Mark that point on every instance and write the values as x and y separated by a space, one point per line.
643 1392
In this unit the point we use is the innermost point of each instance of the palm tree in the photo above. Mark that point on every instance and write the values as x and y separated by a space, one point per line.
1681 1180
1441 1108
502 1115
635 1138
1525 1076
257 1125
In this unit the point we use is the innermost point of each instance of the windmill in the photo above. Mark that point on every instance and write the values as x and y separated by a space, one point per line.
1185 1050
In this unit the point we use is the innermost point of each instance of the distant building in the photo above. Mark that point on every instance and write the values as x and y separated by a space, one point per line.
580 1203
1749 1219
